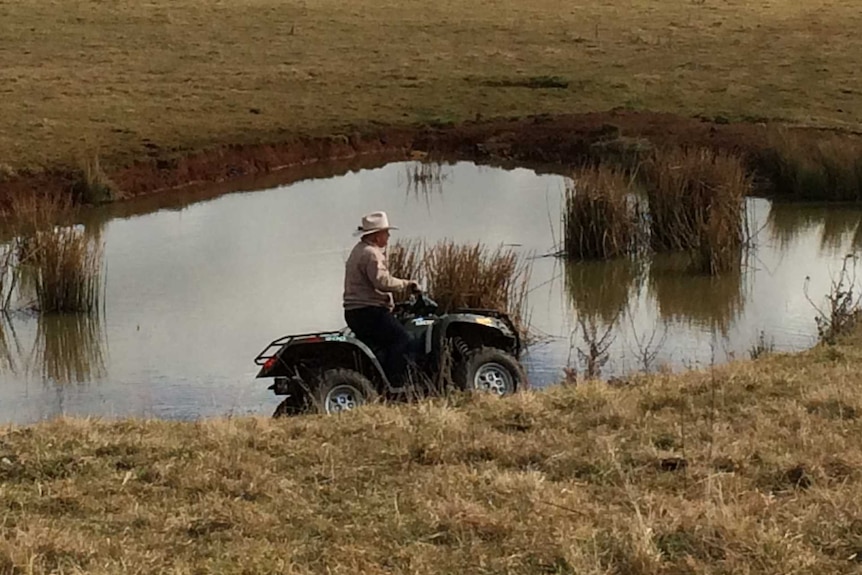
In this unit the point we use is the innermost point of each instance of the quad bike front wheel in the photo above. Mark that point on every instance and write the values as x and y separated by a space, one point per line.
340 390
490 370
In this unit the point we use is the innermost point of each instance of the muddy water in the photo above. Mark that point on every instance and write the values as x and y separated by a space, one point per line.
194 292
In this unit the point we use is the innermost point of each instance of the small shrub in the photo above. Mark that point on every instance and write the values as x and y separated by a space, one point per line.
842 313
92 185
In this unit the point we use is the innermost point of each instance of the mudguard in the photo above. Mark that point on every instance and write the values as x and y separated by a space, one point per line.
493 325
280 357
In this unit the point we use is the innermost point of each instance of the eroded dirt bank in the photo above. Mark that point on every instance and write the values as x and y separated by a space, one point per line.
561 140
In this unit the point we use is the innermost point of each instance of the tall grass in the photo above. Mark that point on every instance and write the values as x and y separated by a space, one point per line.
61 261
405 260
600 219
467 275
67 264
828 168
697 205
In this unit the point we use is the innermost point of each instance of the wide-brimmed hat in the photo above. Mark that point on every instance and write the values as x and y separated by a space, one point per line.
373 222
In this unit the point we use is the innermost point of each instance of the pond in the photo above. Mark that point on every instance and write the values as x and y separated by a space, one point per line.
193 293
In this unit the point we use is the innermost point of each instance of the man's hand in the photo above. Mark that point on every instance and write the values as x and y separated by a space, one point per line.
413 287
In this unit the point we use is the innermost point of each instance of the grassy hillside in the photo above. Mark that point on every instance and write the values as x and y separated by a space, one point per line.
125 79
754 467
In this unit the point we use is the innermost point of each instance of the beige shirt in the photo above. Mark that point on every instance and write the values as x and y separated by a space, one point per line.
367 281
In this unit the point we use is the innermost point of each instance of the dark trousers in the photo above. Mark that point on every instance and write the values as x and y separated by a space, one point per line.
377 328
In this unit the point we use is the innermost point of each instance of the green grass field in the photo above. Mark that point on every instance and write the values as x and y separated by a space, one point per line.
123 79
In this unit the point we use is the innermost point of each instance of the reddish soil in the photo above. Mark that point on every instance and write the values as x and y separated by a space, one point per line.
561 140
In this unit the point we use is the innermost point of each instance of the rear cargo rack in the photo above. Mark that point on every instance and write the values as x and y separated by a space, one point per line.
272 349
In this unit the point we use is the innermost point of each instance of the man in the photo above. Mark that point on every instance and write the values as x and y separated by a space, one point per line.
368 302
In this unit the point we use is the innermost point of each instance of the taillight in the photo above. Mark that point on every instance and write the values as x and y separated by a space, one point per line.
269 363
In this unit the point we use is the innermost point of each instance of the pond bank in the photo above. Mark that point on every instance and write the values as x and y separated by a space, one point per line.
546 139
752 466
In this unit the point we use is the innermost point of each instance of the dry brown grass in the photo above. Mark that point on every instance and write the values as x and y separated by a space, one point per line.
828 169
472 275
405 259
58 262
753 468
127 79
600 216
697 205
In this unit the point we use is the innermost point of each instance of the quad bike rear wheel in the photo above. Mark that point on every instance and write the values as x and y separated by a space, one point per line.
491 370
291 405
340 390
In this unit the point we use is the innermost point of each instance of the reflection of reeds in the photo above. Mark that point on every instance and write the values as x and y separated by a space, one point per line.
70 347
8 261
7 363
707 301
600 219
602 289
697 205
424 178
467 275
787 221
829 168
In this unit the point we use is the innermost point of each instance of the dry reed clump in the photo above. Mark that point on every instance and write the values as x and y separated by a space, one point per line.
600 217
466 275
675 473
829 168
61 261
405 260
67 265
697 205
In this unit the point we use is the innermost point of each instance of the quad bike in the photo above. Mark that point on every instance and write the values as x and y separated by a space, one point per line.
333 371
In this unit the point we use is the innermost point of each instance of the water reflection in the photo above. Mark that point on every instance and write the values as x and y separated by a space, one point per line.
711 302
7 336
787 222
69 347
196 289
425 179
602 290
